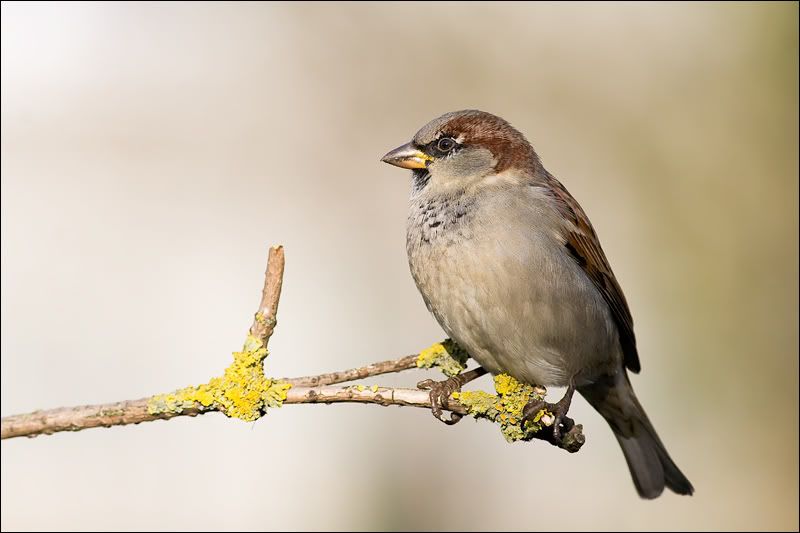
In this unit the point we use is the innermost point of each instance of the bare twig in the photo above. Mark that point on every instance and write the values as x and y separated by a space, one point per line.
375 369
84 417
378 395
266 316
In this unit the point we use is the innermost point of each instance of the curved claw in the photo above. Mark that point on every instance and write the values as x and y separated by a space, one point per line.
568 423
426 384
454 419
440 394
530 410
559 413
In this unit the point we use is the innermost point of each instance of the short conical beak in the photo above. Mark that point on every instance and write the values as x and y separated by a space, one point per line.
407 156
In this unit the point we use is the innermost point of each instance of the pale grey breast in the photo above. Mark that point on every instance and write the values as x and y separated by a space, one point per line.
509 294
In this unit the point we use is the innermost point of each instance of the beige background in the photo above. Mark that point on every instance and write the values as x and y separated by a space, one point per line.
151 153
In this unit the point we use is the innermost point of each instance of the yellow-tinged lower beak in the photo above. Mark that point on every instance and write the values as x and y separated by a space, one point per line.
407 156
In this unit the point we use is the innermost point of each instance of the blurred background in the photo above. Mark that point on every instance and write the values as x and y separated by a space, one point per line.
152 152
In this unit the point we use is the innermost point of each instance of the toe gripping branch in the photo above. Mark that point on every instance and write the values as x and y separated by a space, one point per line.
519 409
441 391
561 422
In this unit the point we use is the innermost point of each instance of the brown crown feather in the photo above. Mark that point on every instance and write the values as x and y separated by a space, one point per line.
508 145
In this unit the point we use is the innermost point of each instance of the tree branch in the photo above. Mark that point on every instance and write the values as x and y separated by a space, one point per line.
265 318
375 369
245 393
84 417
136 411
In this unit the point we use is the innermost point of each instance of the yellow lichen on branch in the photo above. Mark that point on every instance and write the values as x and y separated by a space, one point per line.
448 356
243 391
506 407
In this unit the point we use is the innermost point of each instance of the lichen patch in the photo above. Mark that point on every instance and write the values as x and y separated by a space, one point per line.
505 407
243 391
448 356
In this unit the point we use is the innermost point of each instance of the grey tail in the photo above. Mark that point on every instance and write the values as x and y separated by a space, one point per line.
651 466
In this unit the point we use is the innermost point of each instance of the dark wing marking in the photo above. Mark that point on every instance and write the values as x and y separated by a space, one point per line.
583 245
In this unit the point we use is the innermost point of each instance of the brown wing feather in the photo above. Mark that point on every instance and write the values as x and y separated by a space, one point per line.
583 244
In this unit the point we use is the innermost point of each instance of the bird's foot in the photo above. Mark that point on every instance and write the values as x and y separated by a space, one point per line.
562 422
441 391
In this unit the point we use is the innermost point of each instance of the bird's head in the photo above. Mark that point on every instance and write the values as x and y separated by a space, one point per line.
465 149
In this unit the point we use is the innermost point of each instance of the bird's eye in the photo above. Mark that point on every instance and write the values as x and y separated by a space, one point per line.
445 144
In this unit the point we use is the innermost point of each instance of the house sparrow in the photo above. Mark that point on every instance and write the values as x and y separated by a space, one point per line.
510 266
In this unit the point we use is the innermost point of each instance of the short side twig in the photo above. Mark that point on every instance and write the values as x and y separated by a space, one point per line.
352 374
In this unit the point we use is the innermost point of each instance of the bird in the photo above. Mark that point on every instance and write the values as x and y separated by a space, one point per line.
510 266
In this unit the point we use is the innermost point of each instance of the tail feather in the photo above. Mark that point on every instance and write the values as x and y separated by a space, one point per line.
651 467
